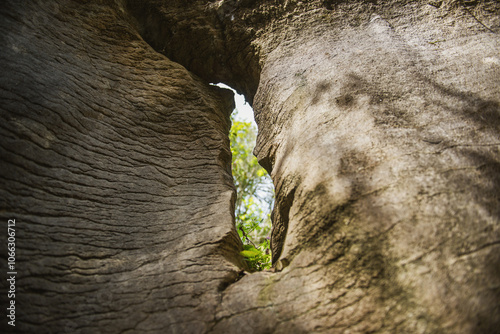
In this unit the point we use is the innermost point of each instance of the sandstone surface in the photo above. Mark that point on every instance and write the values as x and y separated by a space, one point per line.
378 122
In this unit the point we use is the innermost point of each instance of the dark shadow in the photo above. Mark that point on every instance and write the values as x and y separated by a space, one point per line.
321 89
215 50
477 109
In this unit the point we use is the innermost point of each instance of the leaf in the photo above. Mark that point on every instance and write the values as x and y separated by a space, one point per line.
249 253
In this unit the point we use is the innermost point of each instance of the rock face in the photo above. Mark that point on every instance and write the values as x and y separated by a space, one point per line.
379 123
115 165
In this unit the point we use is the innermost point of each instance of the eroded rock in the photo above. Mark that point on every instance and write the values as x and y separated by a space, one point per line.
378 122
116 166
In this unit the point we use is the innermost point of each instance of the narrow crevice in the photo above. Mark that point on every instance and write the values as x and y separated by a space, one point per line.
219 50
255 193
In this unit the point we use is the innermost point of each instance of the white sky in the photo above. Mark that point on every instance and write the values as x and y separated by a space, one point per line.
245 112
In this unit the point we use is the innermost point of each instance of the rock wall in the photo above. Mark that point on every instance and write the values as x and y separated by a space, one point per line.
382 138
116 166
379 123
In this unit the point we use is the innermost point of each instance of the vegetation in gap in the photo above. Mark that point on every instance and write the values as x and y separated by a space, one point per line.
255 196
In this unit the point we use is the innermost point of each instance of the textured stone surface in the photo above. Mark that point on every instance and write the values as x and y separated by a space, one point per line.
382 135
115 165
379 123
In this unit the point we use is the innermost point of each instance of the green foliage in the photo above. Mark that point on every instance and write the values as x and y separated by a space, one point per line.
257 258
254 196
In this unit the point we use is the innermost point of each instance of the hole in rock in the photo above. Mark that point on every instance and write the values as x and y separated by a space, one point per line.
255 191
